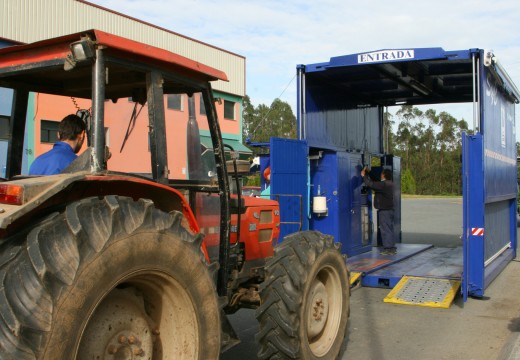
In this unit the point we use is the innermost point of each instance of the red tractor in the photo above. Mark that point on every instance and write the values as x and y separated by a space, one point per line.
120 259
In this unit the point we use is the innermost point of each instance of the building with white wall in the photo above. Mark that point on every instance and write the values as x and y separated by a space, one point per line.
25 21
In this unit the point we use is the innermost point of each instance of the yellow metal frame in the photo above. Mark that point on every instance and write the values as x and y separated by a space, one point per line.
354 277
445 304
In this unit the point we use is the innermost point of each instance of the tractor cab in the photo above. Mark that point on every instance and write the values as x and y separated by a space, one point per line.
139 246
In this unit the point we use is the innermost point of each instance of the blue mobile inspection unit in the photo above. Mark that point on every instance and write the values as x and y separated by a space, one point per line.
340 103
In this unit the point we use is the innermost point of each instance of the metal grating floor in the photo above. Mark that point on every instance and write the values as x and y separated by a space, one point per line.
424 292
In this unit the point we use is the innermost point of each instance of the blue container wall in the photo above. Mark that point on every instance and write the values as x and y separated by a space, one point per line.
330 121
337 176
497 227
500 165
498 128
490 186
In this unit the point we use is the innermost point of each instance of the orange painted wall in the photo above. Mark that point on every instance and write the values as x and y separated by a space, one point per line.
135 156
49 107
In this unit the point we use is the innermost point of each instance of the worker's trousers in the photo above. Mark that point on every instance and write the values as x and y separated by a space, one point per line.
386 227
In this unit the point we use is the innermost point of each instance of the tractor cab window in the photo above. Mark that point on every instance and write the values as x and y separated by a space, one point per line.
189 147
190 154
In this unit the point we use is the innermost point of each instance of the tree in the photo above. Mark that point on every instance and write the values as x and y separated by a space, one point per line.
263 122
427 142
430 148
388 134
408 182
248 115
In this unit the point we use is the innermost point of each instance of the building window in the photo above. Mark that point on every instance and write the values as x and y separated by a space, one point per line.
229 110
4 127
202 106
174 102
49 131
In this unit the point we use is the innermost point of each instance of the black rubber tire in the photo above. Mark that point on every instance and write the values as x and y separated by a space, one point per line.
304 264
56 277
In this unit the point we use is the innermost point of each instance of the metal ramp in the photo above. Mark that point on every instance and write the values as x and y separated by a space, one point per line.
420 274
372 262
411 290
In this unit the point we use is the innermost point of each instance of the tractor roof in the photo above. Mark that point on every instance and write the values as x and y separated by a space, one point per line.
41 67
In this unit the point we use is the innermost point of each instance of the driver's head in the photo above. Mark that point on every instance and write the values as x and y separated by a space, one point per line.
72 130
70 127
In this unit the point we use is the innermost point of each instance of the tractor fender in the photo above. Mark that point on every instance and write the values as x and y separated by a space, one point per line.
50 193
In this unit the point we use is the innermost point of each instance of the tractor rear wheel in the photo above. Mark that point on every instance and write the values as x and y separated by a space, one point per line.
305 300
108 278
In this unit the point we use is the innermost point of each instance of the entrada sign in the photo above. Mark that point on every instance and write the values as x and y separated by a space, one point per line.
385 55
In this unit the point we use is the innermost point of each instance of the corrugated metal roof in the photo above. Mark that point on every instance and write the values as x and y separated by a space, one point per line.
34 20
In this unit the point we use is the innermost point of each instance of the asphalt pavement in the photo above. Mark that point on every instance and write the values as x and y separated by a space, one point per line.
480 329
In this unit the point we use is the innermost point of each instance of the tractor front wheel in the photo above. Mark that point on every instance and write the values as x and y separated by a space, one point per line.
305 300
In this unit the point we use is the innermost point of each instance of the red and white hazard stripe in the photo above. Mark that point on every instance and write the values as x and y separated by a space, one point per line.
477 231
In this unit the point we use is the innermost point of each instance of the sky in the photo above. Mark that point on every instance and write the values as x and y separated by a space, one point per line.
276 35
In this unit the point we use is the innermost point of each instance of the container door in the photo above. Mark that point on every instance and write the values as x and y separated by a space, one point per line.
472 216
497 109
489 188
289 183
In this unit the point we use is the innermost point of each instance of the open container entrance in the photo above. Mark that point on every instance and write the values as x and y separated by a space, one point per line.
340 124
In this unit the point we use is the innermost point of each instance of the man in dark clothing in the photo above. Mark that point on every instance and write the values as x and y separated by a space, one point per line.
71 135
384 203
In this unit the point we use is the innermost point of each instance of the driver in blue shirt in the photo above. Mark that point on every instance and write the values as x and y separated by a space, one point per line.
71 135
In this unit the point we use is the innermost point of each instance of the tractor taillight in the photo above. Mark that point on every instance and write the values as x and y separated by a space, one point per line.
11 194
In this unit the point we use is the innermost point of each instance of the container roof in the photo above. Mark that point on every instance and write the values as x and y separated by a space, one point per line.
400 76
39 67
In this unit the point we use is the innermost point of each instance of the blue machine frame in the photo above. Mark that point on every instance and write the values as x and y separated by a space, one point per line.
301 176
340 116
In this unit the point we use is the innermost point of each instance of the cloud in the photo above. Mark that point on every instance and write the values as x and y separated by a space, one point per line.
275 36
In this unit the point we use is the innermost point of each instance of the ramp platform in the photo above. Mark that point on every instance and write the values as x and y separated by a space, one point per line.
419 260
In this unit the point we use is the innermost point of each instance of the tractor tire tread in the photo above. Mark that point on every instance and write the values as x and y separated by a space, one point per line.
45 260
282 293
